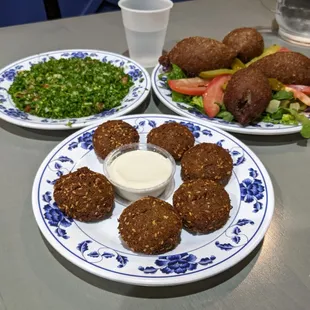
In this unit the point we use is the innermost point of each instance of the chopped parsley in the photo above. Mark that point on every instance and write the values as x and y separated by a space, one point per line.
70 88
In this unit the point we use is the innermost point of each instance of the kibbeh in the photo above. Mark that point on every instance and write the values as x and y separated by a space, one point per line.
247 42
247 95
196 54
287 67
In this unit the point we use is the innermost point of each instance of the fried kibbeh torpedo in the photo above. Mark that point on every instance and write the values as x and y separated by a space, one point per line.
287 67
207 161
247 42
203 205
247 95
111 135
84 195
173 137
196 54
150 226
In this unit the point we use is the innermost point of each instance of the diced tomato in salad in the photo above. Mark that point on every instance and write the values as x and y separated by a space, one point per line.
192 86
213 97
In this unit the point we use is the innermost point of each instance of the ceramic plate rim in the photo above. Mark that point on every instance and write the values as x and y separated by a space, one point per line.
240 130
25 124
170 281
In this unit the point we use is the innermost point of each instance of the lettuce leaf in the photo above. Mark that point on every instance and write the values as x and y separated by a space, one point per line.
177 97
224 114
303 120
283 95
175 73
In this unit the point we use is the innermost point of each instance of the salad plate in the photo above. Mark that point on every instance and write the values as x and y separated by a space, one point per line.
137 93
163 93
97 248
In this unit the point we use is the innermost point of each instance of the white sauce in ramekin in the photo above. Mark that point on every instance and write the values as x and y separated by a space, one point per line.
140 169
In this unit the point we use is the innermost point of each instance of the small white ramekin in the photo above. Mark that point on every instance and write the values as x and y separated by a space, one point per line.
133 194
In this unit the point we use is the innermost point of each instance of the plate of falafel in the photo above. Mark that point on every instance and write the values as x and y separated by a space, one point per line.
146 227
241 84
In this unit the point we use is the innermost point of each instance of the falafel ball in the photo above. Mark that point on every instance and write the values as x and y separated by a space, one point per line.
247 42
287 67
150 226
113 134
173 137
207 161
196 54
247 95
203 205
84 195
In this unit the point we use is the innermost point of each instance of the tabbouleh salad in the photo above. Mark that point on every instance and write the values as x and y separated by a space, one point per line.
70 88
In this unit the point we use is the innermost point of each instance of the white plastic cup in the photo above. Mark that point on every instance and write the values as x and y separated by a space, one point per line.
145 23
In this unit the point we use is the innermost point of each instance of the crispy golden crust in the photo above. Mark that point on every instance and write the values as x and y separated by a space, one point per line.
203 205
111 135
247 42
207 161
247 95
173 137
150 226
287 67
84 195
197 54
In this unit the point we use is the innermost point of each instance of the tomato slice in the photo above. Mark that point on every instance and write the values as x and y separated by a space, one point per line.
214 95
193 86
303 88
299 95
283 49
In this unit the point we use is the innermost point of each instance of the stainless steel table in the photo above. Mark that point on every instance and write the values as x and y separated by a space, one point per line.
33 277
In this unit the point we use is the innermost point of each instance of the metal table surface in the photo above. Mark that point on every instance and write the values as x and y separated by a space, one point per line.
32 276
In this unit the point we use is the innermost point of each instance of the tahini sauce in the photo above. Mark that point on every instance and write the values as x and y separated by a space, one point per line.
140 169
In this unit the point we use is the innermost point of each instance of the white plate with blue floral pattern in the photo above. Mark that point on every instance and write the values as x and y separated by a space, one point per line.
164 95
137 94
97 248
